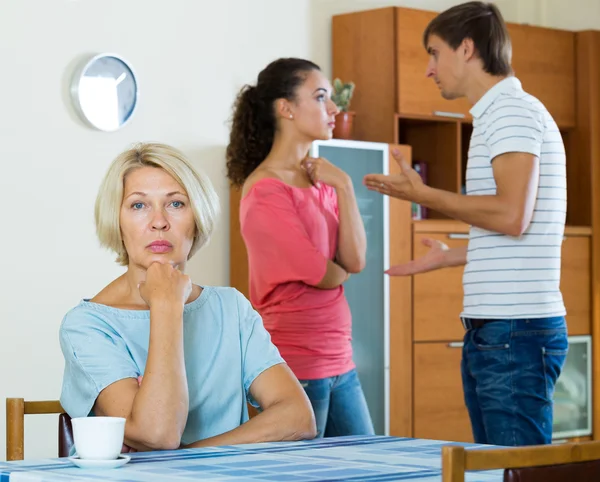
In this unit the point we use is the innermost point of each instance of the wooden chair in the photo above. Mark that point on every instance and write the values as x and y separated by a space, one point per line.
574 462
17 408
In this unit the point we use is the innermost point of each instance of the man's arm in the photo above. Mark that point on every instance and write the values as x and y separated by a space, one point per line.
456 257
509 211
286 412
439 256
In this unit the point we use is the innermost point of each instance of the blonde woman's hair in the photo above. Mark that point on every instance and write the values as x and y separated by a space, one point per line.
203 198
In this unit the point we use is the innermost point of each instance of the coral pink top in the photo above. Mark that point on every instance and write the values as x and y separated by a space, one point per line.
290 233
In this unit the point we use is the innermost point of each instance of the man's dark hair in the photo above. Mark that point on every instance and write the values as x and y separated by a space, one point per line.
482 23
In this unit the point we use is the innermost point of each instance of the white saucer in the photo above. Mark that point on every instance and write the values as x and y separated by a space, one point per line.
100 464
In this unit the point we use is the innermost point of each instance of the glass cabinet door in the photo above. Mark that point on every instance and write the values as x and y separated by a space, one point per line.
572 393
367 292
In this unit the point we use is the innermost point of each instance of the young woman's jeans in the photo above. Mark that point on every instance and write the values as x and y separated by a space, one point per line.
509 370
339 405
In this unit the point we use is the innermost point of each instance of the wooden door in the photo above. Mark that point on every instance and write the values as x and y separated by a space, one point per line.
238 256
440 411
438 295
544 61
417 94
575 283
400 302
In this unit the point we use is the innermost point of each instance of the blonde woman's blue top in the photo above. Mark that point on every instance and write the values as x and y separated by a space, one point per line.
225 347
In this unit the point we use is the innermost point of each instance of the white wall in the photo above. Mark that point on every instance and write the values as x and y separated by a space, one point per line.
569 15
191 62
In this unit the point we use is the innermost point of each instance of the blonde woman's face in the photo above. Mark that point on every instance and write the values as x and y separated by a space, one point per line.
157 221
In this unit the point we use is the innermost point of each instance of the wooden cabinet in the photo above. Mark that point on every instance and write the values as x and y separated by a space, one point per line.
544 61
438 295
583 183
382 51
575 282
442 156
416 93
440 412
363 46
438 333
238 255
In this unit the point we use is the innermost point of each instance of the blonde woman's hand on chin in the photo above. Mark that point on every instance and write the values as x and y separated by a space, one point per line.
165 284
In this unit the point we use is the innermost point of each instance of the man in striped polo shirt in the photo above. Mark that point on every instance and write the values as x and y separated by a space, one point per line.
516 337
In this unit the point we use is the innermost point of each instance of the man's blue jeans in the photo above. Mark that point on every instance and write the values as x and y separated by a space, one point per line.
339 405
509 370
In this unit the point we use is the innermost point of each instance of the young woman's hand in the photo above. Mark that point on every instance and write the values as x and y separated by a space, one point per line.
320 169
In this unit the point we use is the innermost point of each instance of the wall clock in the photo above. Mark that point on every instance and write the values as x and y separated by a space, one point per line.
105 92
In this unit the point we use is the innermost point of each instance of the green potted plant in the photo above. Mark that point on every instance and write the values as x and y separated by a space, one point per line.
342 95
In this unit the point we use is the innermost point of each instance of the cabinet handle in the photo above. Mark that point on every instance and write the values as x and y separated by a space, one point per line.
456 344
457 115
458 236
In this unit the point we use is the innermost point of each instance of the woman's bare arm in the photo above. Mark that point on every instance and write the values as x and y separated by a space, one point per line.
286 412
156 412
352 244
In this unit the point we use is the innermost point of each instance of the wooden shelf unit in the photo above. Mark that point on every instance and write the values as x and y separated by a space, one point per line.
381 50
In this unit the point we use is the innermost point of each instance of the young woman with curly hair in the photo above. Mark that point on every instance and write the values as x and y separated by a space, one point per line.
303 233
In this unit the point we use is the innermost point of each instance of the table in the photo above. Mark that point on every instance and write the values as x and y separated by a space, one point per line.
365 459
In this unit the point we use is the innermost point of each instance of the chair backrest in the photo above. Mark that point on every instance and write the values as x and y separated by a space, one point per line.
526 464
17 408
65 435
575 472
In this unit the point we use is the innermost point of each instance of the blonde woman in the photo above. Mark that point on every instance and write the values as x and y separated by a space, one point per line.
202 351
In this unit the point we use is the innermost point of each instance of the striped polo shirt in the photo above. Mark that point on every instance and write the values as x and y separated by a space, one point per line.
508 276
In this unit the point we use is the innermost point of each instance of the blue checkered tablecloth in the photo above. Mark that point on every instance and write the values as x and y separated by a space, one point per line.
365 459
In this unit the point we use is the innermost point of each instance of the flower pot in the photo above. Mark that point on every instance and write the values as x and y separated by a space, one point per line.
344 123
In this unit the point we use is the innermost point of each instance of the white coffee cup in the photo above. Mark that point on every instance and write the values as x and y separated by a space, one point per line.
98 438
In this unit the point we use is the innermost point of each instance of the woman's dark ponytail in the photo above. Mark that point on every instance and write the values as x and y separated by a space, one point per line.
254 123
251 137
